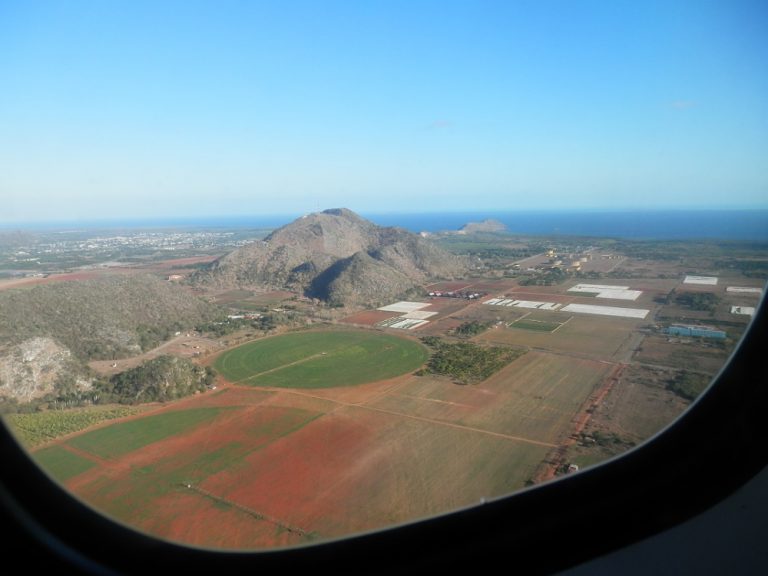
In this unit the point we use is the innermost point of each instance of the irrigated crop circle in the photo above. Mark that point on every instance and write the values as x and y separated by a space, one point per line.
321 359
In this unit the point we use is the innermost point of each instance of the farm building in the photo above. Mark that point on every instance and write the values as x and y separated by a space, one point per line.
702 331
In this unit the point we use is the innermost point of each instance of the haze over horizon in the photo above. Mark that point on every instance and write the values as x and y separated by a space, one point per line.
188 109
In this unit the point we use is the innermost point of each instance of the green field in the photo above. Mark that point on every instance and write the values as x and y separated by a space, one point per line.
61 463
536 325
125 437
321 359
37 428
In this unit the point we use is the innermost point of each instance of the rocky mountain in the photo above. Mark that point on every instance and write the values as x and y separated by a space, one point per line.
335 255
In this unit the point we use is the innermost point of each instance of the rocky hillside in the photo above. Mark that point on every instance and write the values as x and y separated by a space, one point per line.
102 319
36 367
158 380
338 256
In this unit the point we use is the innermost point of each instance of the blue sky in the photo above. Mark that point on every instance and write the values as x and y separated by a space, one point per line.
134 109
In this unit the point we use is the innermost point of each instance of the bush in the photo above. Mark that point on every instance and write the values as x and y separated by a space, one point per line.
466 362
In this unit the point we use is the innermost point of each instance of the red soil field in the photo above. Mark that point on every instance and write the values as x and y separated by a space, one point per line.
448 286
370 317
446 305
493 285
540 296
172 263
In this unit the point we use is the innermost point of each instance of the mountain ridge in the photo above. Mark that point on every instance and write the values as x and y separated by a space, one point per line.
335 255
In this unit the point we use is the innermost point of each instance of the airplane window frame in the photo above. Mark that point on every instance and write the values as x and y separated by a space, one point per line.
715 447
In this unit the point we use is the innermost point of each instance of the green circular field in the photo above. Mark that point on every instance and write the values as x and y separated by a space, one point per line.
321 359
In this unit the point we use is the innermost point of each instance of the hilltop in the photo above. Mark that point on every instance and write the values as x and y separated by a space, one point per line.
102 318
335 255
49 332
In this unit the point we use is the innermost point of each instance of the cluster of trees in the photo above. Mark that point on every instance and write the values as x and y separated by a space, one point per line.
688 385
472 328
706 301
223 326
157 380
465 362
547 278
750 268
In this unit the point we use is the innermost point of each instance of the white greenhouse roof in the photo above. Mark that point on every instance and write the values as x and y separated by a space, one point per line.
606 310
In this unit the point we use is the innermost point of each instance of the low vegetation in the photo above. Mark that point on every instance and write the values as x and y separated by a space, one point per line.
101 319
157 380
546 278
40 427
688 385
466 362
705 301
472 328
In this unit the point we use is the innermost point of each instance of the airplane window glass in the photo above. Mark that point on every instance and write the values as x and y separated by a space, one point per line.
277 273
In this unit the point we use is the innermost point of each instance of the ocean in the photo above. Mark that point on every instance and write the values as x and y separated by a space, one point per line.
744 225
751 225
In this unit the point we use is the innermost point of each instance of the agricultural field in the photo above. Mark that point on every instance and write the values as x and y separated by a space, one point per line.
321 359
532 323
369 317
319 433
684 353
62 464
592 336
123 437
637 407
36 428
535 397
251 467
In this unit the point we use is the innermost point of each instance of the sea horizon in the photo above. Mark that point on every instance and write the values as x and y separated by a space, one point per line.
658 224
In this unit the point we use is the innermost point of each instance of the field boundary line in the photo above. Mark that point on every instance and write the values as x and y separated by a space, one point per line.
246 510
423 419
562 324
432 400
278 368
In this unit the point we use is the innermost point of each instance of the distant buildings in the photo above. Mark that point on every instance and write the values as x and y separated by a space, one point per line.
701 331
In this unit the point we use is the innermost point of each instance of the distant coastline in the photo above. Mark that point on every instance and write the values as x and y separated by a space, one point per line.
635 224
680 224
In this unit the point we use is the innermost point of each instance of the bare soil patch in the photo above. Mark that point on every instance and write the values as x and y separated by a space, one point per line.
369 317
183 346
448 286
637 407
682 353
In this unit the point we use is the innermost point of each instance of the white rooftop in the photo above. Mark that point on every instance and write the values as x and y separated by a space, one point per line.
606 310
404 306
595 288
418 315
744 290
605 291
745 310
704 280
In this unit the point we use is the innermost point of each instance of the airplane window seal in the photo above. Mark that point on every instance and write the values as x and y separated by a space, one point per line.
708 453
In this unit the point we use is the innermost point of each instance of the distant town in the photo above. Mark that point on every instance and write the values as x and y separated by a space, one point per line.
40 253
